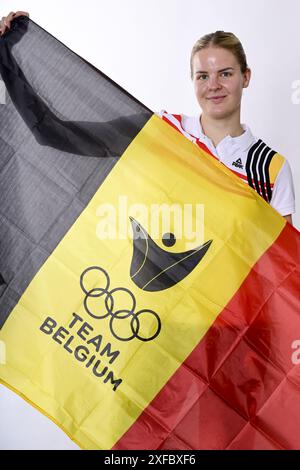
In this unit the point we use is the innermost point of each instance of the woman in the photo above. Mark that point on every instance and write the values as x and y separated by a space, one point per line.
220 72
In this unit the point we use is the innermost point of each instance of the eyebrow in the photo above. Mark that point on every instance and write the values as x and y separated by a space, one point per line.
219 71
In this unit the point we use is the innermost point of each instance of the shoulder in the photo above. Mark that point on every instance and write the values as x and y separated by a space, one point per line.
165 115
187 125
262 158
170 118
273 169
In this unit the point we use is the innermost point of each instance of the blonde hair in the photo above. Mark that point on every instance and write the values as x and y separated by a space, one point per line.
224 40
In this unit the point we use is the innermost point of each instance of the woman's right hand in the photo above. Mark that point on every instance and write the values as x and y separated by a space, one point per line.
6 20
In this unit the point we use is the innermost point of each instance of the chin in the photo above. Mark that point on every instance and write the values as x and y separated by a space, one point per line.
220 113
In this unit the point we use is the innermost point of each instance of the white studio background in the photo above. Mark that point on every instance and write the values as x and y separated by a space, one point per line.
145 47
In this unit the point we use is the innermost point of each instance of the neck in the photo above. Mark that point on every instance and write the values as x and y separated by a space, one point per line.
217 129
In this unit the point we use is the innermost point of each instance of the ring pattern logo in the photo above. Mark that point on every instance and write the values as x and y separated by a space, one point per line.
114 313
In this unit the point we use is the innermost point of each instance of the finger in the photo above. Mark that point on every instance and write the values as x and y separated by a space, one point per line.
2 25
8 19
5 22
20 13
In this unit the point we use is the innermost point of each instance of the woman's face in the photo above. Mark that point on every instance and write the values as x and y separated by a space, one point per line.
218 82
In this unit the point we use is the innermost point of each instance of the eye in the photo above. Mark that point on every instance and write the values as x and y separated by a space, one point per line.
226 74
169 239
202 76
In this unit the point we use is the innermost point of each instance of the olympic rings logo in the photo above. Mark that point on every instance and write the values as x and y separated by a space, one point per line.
115 315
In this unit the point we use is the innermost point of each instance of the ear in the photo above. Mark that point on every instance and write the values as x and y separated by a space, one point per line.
247 77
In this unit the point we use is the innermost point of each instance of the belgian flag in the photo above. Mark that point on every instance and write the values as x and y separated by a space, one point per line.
130 334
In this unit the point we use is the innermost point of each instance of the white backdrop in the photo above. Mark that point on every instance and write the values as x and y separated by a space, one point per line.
145 47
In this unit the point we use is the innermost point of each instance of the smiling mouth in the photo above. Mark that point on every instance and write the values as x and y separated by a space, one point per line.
216 98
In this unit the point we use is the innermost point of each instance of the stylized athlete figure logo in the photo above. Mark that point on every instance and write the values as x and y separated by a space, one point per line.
136 321
155 269
152 269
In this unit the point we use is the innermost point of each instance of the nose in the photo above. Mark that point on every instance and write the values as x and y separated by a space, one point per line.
213 82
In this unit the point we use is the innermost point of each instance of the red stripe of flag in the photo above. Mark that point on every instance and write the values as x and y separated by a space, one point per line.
238 389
